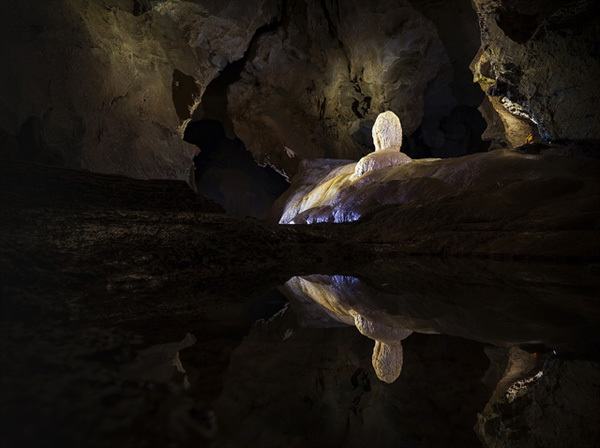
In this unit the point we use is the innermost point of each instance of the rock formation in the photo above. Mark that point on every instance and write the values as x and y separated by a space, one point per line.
311 84
541 402
552 196
113 84
387 137
539 65
316 83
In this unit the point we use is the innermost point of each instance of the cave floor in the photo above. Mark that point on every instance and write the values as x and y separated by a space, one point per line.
136 315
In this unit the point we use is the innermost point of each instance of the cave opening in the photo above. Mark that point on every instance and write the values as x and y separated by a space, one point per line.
228 174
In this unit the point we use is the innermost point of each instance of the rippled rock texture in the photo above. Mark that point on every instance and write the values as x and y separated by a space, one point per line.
496 202
538 64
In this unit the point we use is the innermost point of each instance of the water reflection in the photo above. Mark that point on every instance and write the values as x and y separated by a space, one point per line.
537 324
510 348
327 292
498 303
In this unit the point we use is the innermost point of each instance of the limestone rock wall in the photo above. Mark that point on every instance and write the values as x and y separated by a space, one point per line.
112 84
313 86
539 65
109 85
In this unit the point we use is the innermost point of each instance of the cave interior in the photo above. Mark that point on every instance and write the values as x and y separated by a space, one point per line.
268 223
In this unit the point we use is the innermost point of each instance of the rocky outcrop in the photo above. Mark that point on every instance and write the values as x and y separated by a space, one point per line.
313 86
113 84
110 86
547 403
539 64
418 205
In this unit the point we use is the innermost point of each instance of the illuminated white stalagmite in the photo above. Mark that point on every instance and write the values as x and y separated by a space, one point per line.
387 137
387 132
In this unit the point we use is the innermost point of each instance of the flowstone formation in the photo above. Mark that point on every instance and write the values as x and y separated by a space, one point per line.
387 138
501 191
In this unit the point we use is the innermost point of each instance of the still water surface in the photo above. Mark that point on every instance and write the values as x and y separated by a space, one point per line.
406 353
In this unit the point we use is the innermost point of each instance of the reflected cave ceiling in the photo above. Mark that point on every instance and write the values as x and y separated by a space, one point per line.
110 86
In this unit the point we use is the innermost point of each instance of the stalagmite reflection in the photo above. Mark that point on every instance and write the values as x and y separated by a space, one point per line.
387 353
495 304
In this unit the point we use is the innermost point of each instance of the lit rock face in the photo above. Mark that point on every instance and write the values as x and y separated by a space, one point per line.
387 356
540 402
387 137
538 64
114 83
503 188
316 83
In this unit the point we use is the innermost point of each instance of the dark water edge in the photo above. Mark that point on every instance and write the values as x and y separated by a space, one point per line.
131 316
220 368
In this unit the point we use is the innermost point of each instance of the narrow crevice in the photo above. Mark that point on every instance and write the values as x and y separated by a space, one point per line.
228 174
333 32
214 102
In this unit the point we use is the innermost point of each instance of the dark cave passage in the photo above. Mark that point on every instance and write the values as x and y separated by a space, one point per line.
462 130
227 173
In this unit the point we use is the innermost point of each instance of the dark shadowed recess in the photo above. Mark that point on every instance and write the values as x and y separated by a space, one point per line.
462 131
227 173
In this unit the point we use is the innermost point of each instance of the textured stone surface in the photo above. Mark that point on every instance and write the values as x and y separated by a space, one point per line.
548 404
515 200
113 83
387 138
315 84
539 62
110 86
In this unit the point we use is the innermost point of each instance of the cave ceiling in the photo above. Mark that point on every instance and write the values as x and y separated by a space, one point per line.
111 85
